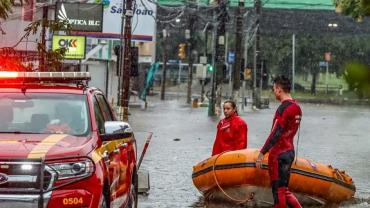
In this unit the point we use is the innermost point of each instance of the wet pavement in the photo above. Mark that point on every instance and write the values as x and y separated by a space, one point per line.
184 136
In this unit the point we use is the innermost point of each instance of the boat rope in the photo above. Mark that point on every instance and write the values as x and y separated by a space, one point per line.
222 190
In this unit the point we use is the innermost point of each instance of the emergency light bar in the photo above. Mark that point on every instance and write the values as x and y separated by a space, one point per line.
44 76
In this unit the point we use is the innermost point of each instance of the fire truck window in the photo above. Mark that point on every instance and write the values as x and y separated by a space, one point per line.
40 113
6 117
104 106
99 118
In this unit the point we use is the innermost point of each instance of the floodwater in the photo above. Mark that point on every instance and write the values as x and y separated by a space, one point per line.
184 136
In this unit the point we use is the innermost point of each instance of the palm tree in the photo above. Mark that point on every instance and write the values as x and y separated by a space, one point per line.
6 7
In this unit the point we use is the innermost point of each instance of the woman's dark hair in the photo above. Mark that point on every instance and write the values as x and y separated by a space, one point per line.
233 105
283 82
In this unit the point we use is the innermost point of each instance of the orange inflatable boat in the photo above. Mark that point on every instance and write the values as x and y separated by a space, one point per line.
234 176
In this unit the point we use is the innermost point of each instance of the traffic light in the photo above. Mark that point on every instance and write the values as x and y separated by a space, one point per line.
210 68
182 51
247 74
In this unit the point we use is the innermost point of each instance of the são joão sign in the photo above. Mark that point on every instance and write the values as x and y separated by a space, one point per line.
75 45
82 17
143 20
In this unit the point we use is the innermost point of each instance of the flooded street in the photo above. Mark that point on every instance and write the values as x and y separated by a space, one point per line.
75 57
184 136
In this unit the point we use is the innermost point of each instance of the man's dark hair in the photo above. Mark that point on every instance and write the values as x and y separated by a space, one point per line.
283 82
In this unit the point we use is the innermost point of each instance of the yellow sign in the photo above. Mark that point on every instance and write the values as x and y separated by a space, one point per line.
75 45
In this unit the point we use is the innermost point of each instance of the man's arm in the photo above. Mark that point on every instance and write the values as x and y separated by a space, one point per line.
278 126
274 136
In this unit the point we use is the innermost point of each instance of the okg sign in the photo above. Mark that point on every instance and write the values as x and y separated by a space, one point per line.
75 46
81 17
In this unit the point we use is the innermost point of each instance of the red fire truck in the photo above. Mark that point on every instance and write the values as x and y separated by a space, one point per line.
61 144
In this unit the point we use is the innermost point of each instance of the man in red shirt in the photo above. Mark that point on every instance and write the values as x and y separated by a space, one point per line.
280 146
231 131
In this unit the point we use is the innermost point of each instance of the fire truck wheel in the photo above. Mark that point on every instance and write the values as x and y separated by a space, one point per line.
132 203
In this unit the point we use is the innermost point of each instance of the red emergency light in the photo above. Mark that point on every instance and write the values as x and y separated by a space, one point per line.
7 74
11 76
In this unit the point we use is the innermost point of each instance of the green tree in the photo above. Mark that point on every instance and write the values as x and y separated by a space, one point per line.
357 73
53 58
357 76
310 51
5 8
278 53
355 8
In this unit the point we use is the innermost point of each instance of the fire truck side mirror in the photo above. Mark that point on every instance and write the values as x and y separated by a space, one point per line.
116 130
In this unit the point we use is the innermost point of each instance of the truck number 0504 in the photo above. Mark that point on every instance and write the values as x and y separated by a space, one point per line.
72 201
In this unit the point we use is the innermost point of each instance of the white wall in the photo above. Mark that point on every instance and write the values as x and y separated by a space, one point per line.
98 71
14 29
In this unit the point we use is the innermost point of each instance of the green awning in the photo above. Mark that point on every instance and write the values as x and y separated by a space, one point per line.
278 4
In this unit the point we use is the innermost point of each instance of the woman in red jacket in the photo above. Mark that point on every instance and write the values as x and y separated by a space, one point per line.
231 131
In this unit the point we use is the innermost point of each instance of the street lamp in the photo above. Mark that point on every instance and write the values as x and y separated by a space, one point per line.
333 25
178 20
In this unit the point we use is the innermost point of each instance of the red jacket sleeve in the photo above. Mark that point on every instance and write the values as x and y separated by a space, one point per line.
275 134
217 145
240 134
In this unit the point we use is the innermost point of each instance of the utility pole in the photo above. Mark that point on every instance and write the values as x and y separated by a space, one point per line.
120 63
43 37
189 44
164 54
189 38
244 93
189 47
211 106
220 48
326 77
205 32
257 54
239 50
126 59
